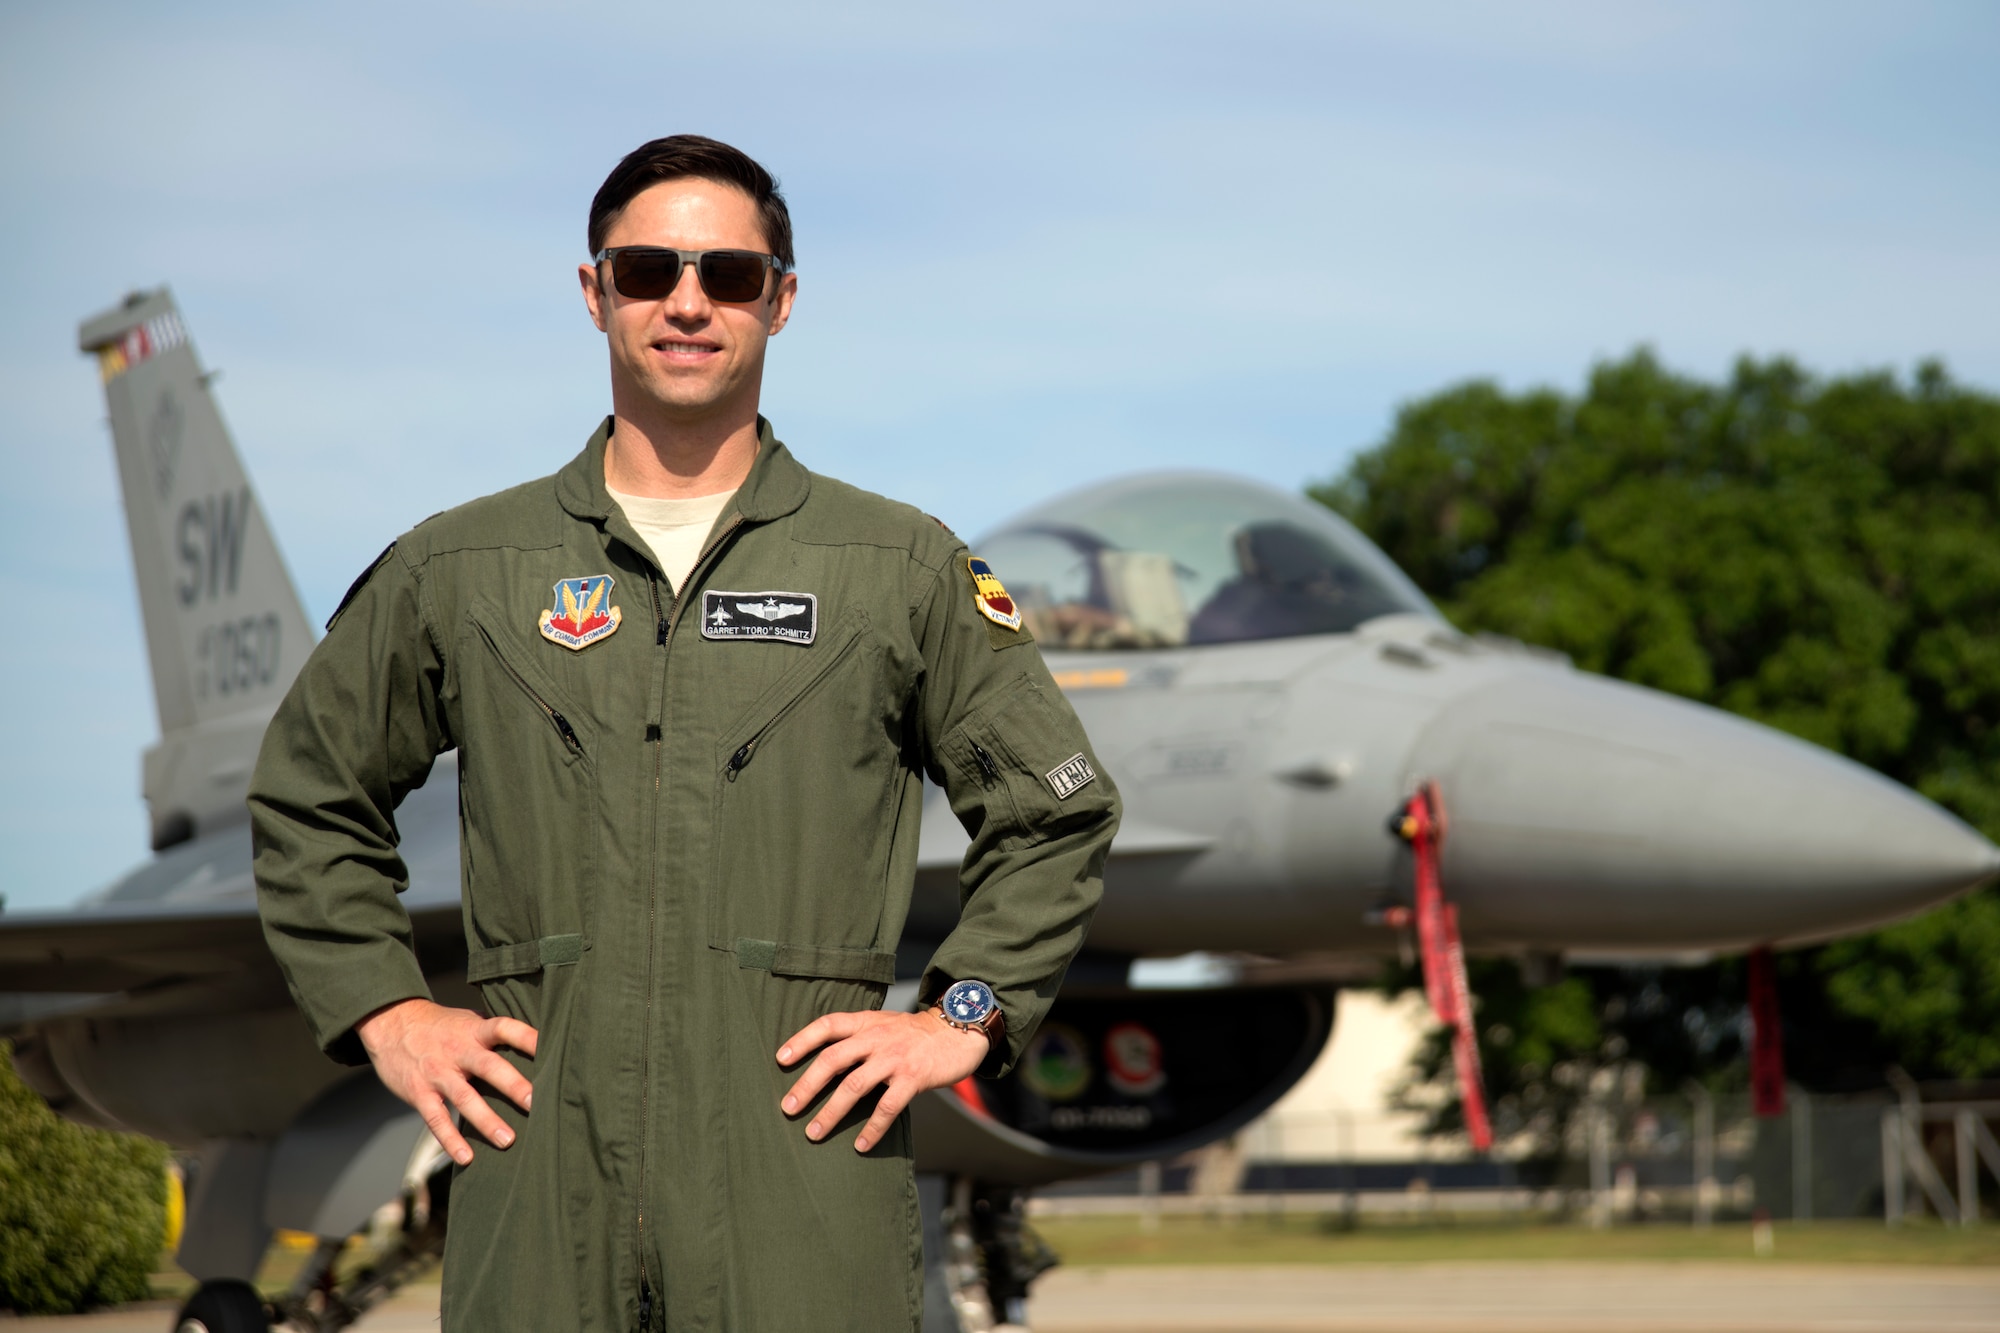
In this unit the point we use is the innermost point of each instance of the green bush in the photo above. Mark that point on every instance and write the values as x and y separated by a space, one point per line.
82 1212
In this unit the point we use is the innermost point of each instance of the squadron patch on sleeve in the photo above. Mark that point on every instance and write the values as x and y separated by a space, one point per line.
354 588
790 617
991 597
583 613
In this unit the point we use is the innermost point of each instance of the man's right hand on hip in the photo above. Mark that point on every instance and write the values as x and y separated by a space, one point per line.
427 1054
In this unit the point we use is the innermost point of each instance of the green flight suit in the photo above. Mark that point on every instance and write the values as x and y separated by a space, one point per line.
680 844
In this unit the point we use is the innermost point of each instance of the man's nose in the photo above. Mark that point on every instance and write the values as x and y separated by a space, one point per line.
688 301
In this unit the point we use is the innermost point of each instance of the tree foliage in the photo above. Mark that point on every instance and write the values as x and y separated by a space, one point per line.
82 1212
1817 554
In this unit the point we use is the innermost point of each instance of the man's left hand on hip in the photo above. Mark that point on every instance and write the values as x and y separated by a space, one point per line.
903 1054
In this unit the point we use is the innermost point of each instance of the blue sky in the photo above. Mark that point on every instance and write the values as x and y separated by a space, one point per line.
1039 245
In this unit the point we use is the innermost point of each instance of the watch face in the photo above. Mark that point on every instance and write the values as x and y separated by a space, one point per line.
969 1002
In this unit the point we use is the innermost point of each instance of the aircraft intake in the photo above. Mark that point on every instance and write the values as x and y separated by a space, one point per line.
1117 1077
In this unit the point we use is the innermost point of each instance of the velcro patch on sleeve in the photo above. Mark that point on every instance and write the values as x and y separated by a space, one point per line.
990 596
354 588
1071 776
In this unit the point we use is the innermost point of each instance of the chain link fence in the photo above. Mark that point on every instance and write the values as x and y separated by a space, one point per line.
1695 1159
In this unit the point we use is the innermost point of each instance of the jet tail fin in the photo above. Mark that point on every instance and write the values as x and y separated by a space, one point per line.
225 630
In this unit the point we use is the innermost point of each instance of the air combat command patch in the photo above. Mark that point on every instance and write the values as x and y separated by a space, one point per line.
583 613
992 599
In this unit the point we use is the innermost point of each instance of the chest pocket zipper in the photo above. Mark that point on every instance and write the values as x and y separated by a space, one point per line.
556 719
740 759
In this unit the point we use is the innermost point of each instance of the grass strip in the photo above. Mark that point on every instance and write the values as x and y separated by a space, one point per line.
1105 1241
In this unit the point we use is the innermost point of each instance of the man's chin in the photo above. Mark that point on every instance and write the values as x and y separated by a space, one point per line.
687 411
681 401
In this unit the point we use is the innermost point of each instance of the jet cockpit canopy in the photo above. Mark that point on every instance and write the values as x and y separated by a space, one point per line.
1169 559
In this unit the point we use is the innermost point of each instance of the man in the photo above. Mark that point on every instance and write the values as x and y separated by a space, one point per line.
692 687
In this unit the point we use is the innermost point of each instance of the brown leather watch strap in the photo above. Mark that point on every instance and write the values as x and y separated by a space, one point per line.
994 1025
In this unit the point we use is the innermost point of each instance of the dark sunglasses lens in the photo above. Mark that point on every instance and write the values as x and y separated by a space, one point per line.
645 275
732 275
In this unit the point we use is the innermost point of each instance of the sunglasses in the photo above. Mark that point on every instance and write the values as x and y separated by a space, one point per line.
649 272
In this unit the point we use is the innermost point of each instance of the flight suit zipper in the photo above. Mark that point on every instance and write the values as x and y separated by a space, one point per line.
646 1024
664 638
741 758
556 719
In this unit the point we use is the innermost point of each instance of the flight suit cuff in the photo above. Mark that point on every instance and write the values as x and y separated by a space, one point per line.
347 1049
363 990
1020 1012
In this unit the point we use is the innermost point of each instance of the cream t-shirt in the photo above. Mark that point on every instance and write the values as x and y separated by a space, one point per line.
674 529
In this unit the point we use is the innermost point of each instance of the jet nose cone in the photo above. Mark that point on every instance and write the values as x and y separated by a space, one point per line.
1605 815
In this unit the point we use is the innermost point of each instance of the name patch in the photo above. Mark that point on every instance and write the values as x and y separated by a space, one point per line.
1071 776
792 617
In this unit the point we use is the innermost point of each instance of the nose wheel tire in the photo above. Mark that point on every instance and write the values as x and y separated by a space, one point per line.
225 1306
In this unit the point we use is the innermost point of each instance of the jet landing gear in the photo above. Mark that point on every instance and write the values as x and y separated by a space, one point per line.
225 1306
322 1299
979 1256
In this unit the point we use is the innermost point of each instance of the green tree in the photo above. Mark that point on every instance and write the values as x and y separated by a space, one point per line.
1816 554
82 1212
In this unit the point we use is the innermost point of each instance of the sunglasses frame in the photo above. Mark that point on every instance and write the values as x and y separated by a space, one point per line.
688 259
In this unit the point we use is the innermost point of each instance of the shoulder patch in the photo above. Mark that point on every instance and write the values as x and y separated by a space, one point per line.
990 597
354 588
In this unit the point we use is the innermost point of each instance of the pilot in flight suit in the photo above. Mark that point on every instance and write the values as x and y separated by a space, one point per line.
683 838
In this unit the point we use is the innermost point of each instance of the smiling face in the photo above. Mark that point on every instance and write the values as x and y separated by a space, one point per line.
685 359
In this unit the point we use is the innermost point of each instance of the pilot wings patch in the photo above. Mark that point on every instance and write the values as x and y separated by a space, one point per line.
792 617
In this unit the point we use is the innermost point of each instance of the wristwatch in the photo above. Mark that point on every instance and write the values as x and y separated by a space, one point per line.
972 1007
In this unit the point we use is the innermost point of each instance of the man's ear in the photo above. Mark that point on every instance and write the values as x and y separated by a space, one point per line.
783 293
595 299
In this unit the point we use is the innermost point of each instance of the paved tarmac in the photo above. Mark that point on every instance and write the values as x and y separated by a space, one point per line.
1520 1298
1414 1298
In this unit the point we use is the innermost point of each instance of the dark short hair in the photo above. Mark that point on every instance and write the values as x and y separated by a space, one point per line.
678 157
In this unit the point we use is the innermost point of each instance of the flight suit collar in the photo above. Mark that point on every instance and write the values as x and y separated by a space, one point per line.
777 484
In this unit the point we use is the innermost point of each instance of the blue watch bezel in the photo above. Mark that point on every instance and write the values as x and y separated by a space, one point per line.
958 989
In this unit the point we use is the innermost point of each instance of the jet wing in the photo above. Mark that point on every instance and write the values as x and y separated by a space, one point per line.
944 840
190 913
189 916
147 946
117 949
1142 856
